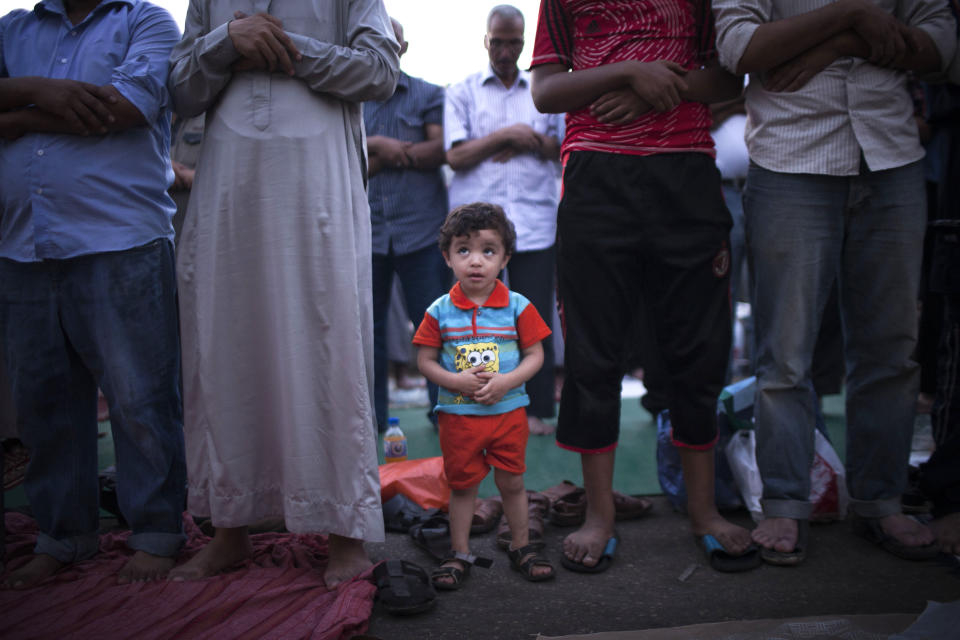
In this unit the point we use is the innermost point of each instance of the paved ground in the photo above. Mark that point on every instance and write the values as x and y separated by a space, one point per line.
843 575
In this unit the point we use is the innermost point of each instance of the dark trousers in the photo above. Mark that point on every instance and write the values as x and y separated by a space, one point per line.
642 232
531 274
424 278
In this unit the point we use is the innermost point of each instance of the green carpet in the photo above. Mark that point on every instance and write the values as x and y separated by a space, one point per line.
635 470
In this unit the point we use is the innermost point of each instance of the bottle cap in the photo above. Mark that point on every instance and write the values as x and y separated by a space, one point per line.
393 421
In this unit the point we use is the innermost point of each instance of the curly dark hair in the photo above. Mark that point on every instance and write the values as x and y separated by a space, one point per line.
478 216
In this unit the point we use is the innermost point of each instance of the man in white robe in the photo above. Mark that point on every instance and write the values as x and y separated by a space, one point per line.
274 273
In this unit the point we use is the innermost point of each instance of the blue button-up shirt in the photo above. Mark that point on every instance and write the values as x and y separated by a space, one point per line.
65 195
407 206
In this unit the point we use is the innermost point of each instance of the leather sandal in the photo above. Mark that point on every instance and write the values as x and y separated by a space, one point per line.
537 505
569 510
556 492
525 559
486 515
457 575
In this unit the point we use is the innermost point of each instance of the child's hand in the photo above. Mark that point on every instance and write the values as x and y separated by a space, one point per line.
469 381
659 83
494 388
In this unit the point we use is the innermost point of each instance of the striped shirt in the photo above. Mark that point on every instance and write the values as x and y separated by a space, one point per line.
583 34
850 107
526 186
493 334
407 206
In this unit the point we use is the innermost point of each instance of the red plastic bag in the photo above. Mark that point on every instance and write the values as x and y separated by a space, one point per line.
422 480
828 486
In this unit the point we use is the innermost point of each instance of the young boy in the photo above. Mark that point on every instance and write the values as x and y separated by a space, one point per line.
480 343
641 225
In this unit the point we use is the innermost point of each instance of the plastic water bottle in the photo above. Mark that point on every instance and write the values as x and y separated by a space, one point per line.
394 442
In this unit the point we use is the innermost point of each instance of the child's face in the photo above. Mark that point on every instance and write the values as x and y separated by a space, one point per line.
476 261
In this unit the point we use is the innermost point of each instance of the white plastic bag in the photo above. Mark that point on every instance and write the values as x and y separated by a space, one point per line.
828 486
741 454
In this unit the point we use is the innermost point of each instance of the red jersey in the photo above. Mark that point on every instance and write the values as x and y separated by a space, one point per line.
582 34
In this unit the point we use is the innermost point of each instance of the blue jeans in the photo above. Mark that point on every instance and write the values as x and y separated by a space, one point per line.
424 278
866 231
67 326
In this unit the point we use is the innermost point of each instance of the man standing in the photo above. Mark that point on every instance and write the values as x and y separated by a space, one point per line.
87 285
408 203
505 152
835 192
274 273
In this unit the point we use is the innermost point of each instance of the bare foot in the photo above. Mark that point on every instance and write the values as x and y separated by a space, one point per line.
348 558
228 547
779 534
734 538
40 567
585 545
538 427
947 531
906 530
145 567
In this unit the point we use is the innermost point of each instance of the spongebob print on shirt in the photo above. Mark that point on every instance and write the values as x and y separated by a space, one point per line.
476 354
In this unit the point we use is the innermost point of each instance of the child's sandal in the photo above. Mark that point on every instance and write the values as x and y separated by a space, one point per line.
525 559
456 575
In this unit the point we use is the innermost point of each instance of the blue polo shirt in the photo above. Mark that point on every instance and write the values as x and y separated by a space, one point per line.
66 195
492 334
407 206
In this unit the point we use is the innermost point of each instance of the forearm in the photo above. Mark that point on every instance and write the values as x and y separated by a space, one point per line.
428 154
556 90
774 43
712 84
374 164
14 124
549 147
469 153
432 370
16 93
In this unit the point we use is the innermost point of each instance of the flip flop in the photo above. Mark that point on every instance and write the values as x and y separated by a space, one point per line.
722 560
606 559
789 558
403 588
870 529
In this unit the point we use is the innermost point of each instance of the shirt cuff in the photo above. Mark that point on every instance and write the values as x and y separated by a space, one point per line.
735 42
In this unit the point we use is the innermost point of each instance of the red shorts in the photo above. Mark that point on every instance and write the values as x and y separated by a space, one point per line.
472 444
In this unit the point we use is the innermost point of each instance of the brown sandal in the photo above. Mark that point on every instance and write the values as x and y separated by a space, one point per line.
525 559
459 576
537 505
569 510
486 515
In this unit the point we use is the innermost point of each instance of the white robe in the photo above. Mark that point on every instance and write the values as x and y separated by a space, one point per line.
274 270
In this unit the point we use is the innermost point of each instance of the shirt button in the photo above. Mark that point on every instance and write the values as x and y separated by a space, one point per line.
39 152
63 60
39 192
73 33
